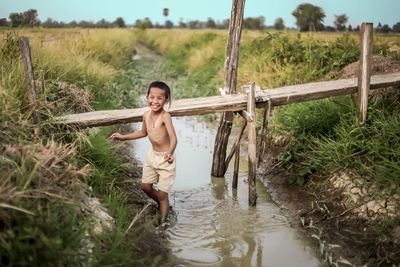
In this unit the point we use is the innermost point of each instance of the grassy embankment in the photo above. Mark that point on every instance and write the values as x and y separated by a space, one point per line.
322 137
45 177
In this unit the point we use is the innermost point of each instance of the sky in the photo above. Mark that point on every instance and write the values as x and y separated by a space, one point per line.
358 11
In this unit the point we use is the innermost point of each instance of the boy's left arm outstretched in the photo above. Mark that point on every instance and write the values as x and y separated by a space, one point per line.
172 137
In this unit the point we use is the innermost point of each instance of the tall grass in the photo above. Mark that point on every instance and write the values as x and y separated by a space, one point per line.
44 180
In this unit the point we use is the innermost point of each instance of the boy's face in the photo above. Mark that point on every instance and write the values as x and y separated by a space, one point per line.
156 99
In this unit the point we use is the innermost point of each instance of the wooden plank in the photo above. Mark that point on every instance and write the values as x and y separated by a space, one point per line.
364 75
182 107
318 90
252 157
30 78
213 104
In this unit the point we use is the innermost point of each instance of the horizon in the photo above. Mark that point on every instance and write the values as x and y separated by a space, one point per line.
358 11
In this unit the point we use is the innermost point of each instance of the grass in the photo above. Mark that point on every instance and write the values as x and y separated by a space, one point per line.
323 136
88 69
47 176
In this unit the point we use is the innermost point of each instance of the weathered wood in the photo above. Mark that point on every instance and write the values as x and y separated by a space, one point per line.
214 104
264 132
221 144
236 167
318 90
30 78
235 143
246 115
364 75
230 78
252 157
233 45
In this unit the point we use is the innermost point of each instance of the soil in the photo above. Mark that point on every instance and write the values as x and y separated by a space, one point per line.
318 208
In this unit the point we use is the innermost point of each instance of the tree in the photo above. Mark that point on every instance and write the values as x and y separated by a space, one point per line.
396 27
279 24
3 22
120 22
165 14
169 24
30 18
349 28
340 22
309 17
211 23
16 19
182 24
256 23
194 24
385 29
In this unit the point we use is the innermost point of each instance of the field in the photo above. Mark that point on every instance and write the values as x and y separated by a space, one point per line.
50 173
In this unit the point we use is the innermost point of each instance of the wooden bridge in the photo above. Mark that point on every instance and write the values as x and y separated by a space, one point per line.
237 102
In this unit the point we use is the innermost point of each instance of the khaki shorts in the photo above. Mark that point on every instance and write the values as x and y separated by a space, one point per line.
156 170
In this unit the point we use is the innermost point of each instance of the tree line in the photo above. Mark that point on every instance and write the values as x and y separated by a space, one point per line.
308 18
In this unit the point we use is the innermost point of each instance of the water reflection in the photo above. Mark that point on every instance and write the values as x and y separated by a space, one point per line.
216 226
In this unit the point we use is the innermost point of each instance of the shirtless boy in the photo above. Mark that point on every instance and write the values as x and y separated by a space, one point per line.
160 166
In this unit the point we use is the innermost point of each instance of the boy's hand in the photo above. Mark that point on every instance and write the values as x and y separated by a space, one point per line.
116 136
168 157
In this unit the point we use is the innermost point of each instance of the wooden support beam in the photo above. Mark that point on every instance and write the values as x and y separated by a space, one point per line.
364 75
236 167
252 158
246 115
235 143
264 133
230 79
30 78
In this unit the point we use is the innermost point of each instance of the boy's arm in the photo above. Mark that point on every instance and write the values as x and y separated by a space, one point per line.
171 133
131 136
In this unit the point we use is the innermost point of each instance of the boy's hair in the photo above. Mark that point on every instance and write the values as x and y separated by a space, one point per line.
163 86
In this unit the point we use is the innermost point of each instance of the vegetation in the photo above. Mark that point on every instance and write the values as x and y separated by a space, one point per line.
47 176
309 17
323 137
48 172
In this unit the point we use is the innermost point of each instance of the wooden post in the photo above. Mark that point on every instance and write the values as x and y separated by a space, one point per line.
251 130
264 132
230 77
235 143
236 167
364 75
30 79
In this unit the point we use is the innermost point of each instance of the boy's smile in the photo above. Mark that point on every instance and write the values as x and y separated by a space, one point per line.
156 99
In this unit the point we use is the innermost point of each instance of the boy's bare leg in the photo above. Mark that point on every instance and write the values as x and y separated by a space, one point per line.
150 191
164 204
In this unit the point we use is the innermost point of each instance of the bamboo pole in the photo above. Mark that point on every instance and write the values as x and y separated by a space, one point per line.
230 78
236 167
30 78
264 132
364 75
251 131
235 143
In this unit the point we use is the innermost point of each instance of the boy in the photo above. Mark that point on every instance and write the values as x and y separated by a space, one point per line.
160 166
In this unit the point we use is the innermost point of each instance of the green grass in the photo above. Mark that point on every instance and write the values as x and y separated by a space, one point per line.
46 176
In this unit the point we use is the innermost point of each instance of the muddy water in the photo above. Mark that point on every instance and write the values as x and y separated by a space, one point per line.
215 225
